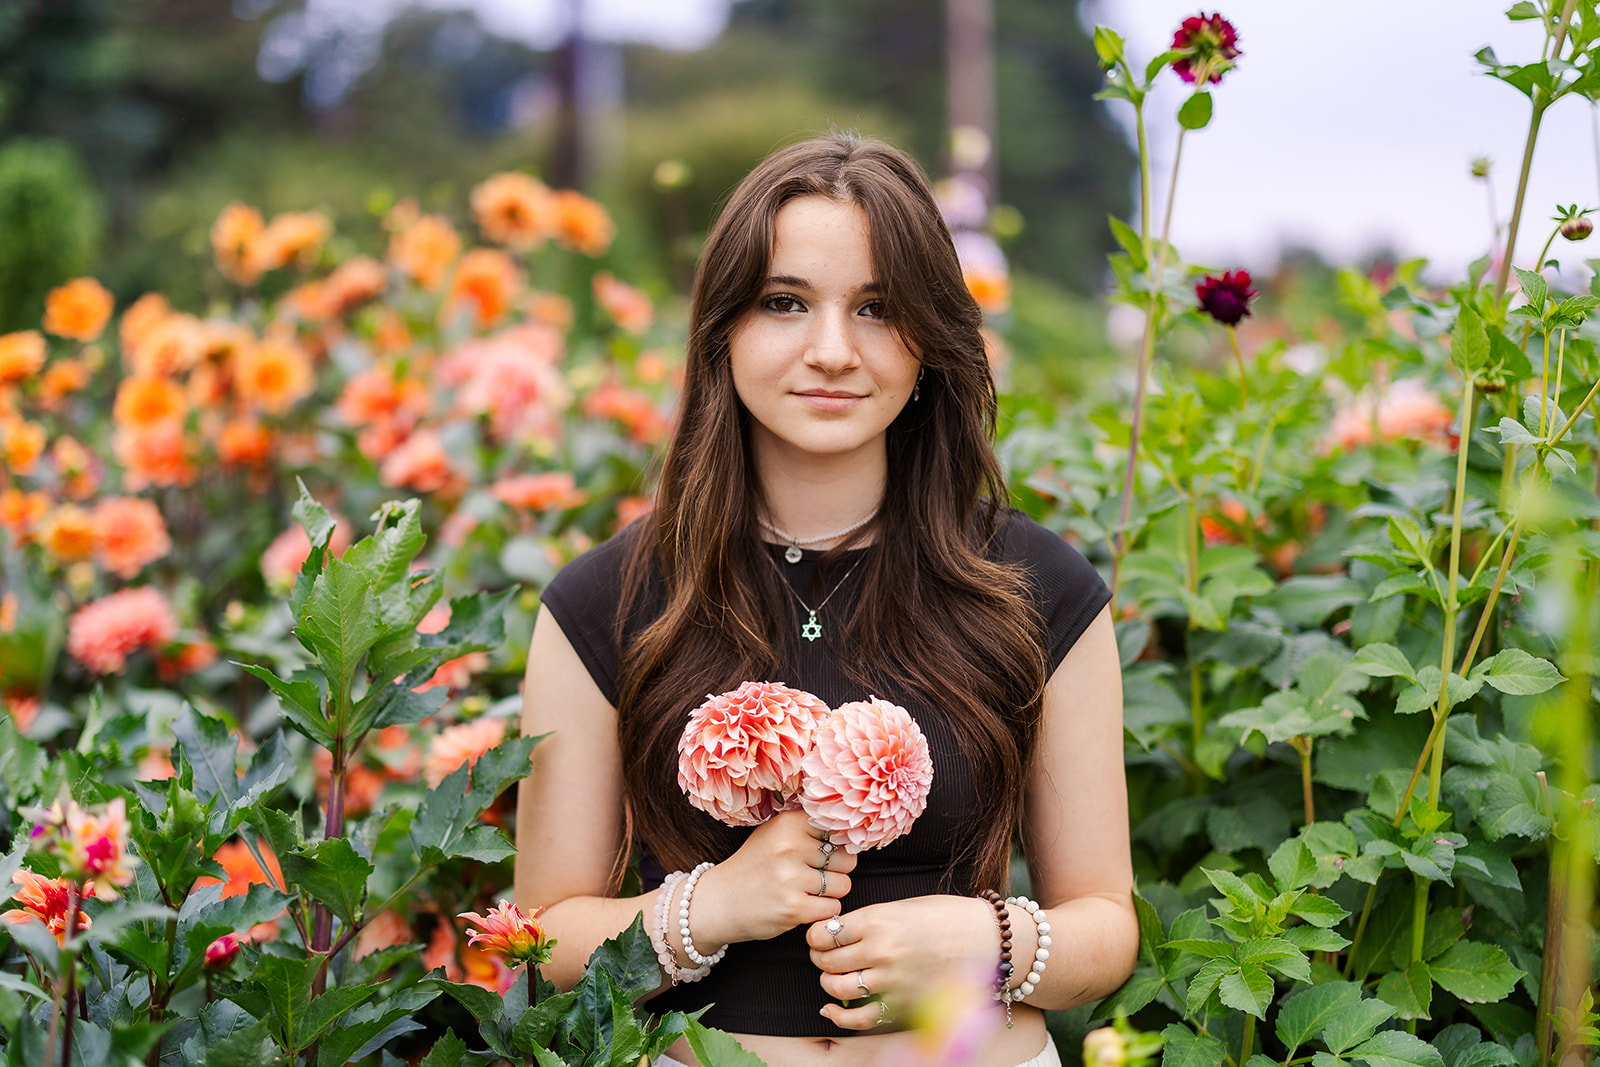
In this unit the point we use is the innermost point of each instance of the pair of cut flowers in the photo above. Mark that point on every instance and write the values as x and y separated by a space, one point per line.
861 770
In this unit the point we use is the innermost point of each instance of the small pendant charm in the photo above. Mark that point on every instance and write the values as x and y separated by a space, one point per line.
812 628
792 553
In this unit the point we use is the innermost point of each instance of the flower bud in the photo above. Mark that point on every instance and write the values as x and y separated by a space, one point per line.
1480 167
1577 228
221 953
1104 1048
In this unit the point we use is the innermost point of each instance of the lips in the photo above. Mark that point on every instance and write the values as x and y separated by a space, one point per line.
831 394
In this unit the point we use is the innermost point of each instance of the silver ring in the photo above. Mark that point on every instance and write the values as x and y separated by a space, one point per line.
861 984
824 864
883 1013
835 928
827 847
822 890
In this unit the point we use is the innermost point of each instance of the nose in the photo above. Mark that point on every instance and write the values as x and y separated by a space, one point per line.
832 348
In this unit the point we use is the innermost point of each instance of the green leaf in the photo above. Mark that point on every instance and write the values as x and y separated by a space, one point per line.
1128 238
1314 939
1524 10
1305 1014
1409 991
331 872
1184 1048
1469 342
630 959
279 991
1516 672
212 750
1278 956
21 985
1200 946
312 517
1204 984
484 1004
1247 989
1308 600
1133 995
1396 1048
1381 660
1230 885
447 814
1108 44
1462 1045
1475 972
448 1051
1292 865
326 1009
250 1047
1318 911
1513 432
1355 1024
718 1049
1534 288
1195 112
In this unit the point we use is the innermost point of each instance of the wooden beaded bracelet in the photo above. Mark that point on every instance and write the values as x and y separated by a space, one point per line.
1002 976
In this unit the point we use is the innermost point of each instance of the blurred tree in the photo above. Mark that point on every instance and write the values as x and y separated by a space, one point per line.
1062 163
49 226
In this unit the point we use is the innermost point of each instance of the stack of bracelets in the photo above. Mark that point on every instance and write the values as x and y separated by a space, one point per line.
1004 991
658 929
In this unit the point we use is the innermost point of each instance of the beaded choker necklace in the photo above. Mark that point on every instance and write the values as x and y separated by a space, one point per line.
792 553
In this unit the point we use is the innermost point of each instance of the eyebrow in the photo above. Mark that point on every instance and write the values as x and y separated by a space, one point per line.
794 282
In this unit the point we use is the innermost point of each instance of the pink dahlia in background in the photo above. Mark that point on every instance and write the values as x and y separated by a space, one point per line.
103 633
1209 44
868 773
456 745
740 756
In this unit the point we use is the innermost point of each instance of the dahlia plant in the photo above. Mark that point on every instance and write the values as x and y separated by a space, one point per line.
1355 590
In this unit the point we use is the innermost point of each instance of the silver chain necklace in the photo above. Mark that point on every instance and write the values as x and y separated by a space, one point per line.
811 629
792 553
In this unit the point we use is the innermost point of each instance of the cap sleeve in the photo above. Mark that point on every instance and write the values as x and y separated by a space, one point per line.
1068 592
584 599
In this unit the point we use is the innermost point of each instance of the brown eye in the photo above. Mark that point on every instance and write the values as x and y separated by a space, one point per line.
875 310
782 303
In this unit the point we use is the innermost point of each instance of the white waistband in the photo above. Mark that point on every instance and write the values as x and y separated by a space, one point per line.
1048 1057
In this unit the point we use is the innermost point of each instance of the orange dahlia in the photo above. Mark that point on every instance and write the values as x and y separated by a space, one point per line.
233 238
60 380
21 355
69 534
78 310
514 210
160 454
273 376
425 249
487 279
21 444
129 533
582 224
145 401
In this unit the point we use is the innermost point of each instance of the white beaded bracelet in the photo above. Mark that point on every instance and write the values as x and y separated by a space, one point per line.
658 934
1041 954
683 921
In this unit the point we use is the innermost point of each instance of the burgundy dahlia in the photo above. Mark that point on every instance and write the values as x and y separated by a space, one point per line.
1226 299
1209 44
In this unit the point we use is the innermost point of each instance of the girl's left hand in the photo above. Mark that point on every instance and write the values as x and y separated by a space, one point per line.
899 951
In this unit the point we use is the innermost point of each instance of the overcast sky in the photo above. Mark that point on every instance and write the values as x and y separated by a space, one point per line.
1353 128
1349 128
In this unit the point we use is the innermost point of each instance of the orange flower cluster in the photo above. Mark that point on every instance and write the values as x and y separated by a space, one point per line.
103 634
521 212
246 247
242 870
45 900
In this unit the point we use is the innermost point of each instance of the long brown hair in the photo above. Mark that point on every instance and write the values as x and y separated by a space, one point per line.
937 614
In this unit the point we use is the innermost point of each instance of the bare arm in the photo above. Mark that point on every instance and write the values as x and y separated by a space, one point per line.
569 808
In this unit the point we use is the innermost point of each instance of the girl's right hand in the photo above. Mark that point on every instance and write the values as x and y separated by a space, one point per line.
786 874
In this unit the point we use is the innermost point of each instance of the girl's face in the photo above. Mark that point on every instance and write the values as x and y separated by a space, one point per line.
816 362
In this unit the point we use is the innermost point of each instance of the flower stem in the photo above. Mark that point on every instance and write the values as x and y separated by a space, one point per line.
69 977
1303 745
322 926
1147 344
1247 1042
1419 915
1238 357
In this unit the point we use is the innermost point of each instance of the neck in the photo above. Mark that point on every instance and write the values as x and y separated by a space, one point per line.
819 495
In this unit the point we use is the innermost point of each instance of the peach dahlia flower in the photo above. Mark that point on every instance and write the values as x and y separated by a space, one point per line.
105 632
868 773
739 759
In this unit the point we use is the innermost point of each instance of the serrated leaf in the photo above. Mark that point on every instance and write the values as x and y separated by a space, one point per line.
484 1004
1381 660
1517 672
1534 288
1182 1047
1133 995
1305 1014
1513 432
1292 865
1247 989
250 1047
211 749
1278 956
1475 972
326 1009
715 1046
1408 992
21 985
1314 939
1462 1045
630 959
1211 949
1318 911
1396 1048
448 1051
331 872
1355 1024
1204 983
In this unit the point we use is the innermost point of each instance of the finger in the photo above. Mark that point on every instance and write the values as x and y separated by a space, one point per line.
853 985
866 1015
824 855
830 883
835 933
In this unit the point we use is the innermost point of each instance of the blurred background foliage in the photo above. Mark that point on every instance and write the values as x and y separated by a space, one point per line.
127 125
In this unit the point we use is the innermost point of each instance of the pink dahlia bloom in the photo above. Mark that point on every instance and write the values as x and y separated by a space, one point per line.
103 633
740 755
868 773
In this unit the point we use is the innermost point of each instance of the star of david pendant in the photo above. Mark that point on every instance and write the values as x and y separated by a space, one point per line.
792 553
812 628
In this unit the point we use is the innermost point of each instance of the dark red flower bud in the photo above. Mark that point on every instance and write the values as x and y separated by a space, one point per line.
1226 299
221 953
1577 228
1209 44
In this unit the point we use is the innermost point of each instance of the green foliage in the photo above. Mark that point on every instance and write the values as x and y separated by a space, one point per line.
49 226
